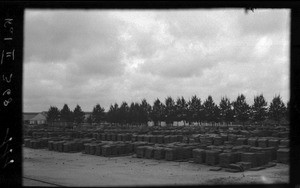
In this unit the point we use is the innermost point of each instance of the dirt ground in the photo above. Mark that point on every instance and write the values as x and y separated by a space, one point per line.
77 169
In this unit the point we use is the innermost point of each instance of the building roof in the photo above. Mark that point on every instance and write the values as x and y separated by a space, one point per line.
28 115
39 116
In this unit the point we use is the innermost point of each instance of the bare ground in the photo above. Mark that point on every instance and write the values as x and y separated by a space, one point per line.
77 169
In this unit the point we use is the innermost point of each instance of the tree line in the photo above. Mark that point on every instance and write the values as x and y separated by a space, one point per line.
170 111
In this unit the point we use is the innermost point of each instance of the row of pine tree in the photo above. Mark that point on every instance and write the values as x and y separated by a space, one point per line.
193 110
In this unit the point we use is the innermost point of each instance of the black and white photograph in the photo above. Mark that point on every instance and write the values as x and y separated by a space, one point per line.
156 97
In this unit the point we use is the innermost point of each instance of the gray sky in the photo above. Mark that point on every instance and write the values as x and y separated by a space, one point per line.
87 57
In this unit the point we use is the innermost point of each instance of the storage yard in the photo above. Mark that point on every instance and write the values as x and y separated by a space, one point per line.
156 155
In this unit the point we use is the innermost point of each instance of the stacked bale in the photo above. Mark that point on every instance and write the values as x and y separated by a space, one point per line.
252 142
179 138
167 139
134 138
260 158
140 138
209 140
274 143
160 139
114 151
106 150
241 141
245 165
212 157
284 143
27 142
263 142
224 137
152 139
225 159
283 155
86 148
103 136
173 138
129 147
67 147
60 146
114 137
271 153
249 157
232 138
170 154
126 137
217 141
119 137
99 149
199 155
140 151
159 153
149 152
109 137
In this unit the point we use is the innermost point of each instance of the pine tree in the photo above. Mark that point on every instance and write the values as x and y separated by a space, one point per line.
170 110
78 115
241 109
157 112
209 109
66 114
181 110
287 114
259 109
145 111
226 110
53 114
98 114
195 111
277 109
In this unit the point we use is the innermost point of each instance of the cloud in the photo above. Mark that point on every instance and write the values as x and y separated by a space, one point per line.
89 57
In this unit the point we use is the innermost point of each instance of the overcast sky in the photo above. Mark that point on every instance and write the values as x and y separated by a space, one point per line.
87 57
